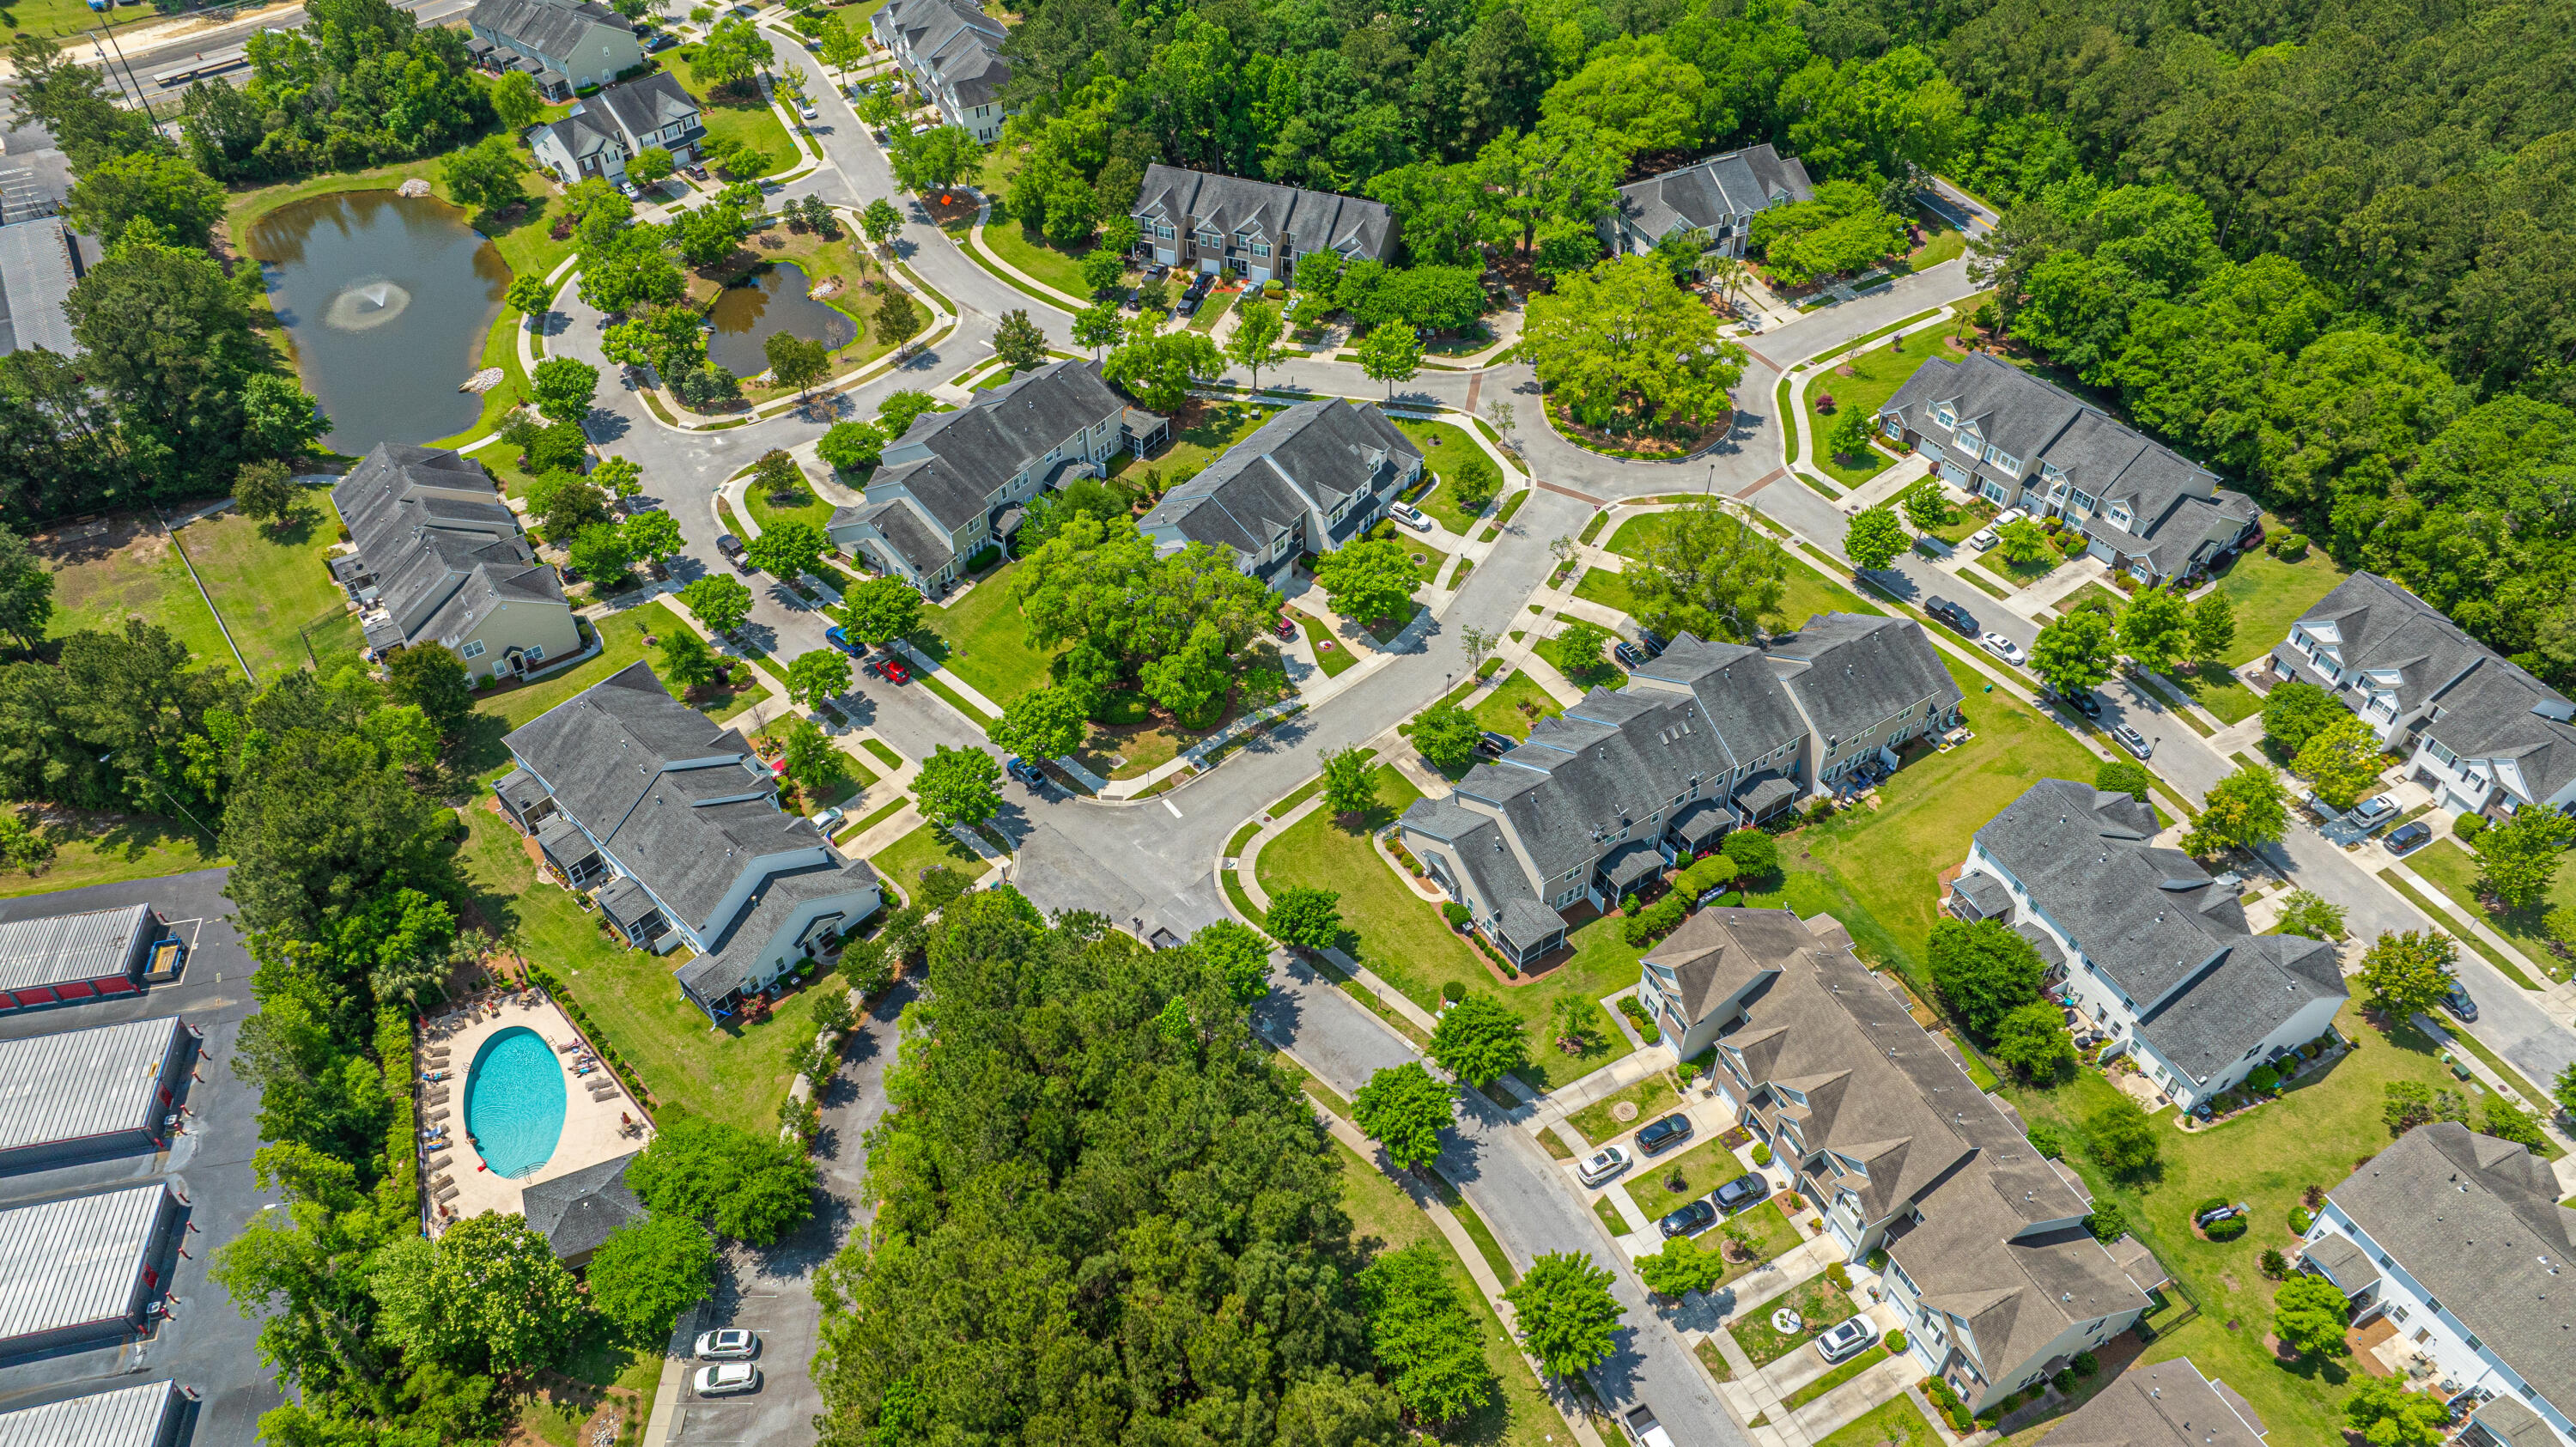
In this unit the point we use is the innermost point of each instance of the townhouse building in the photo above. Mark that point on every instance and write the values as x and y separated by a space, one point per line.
2147 944
441 560
2479 730
1307 481
958 481
1712 201
2457 1240
1987 1256
952 53
567 45
609 129
1201 221
1993 430
2168 1404
1706 738
670 823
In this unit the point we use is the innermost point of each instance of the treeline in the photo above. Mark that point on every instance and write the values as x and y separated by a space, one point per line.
1102 1215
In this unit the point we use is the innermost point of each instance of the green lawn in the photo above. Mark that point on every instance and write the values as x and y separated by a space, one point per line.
1200 431
904 861
751 122
109 848
1835 1378
1384 1218
1701 1169
1652 1096
1331 654
274 590
1876 374
1582 672
1501 711
1639 533
2454 871
2091 593
2311 1136
1896 1422
1819 1304
1031 252
96 588
769 515
2269 595
1444 449
1212 309
1807 593
1401 936
982 639
735 1073
2019 575
2218 690
1610 590
1772 1234
497 711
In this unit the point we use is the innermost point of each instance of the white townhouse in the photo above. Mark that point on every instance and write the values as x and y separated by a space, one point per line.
2153 949
609 129
1988 1259
670 823
952 52
1991 429
1706 738
2478 729
2458 1240
566 45
1713 201
958 481
1309 480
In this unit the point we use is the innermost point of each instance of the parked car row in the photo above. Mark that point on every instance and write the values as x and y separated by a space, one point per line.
732 1349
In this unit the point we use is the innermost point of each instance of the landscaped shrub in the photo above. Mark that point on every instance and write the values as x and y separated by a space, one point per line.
1762 1153
1655 920
2300 1220
2064 1381
2227 1230
1878 1260
1458 915
2049 1141
1690 1072
2085 1364
1638 1018
2469 826
1895 1342
1700 878
2264 1078
1946 1397
2275 1265
1840 1277
2205 1207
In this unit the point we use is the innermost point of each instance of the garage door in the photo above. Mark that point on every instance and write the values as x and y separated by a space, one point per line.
2102 550
1954 474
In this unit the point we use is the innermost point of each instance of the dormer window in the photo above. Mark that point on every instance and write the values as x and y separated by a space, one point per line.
2119 515
1942 414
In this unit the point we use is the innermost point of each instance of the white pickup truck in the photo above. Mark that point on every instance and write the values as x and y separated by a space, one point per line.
1646 1430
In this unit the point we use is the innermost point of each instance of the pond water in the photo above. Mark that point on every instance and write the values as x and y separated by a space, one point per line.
745 317
388 299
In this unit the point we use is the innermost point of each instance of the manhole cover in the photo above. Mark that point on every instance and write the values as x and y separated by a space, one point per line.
1624 1110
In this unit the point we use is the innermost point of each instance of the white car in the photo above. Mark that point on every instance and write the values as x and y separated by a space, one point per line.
1602 1165
727 1379
806 109
1845 1338
1411 516
830 819
1983 539
2372 812
2003 648
925 128
730 1343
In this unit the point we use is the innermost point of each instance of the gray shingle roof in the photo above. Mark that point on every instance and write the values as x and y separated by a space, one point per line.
2155 922
647 103
959 43
1718 952
81 1084
583 135
1992 899
1708 193
578 1209
2138 1263
2513 1424
35 279
2490 707
428 521
77 1262
713 975
1852 671
2167 1404
676 799
1298 221
2179 513
954 461
2343 1261
136 1416
57 949
1882 1092
1311 456
2477 1222
551 28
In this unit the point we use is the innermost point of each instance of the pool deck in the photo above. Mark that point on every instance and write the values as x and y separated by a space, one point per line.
591 1129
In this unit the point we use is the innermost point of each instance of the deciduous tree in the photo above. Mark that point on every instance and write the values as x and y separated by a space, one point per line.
2308 1315
2294 712
1350 785
1306 918
2386 1414
717 600
2155 629
1424 1336
2520 857
1480 1039
2073 653
818 674
2408 973
647 1272
2246 808
1710 574
852 446
1404 1109
788 549
1043 723
1566 1314
1875 538
1370 579
1447 735
562 388
1254 344
1018 341
2340 761
955 786
750 1186
1622 339
2031 1040
1984 971
880 610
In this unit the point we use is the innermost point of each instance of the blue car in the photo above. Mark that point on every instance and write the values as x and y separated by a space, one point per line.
839 638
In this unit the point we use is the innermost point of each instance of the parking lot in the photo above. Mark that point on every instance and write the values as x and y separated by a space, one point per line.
204 1343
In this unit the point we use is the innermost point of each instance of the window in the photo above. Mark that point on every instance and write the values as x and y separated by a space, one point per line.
2084 500
2437 749
1261 248
471 650
535 652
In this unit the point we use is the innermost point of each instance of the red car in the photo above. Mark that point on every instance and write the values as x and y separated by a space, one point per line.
890 669
1286 628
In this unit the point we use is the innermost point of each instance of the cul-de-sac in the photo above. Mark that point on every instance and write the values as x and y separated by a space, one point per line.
1287 723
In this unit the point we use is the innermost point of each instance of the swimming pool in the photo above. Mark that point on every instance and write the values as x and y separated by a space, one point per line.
514 1101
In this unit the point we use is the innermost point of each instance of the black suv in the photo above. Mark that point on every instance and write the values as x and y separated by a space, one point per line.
1952 614
1664 1134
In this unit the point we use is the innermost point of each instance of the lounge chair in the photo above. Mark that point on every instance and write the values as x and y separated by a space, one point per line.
448 1194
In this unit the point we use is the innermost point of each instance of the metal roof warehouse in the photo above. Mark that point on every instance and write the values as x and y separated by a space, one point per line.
80 1270
150 1415
75 956
89 1092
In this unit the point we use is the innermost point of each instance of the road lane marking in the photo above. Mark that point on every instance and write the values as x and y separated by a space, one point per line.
1168 805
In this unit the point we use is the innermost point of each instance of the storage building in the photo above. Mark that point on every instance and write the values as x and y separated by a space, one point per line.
66 957
150 1415
82 1093
81 1271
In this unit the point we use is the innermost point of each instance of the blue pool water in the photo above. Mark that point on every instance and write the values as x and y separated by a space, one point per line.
514 1101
